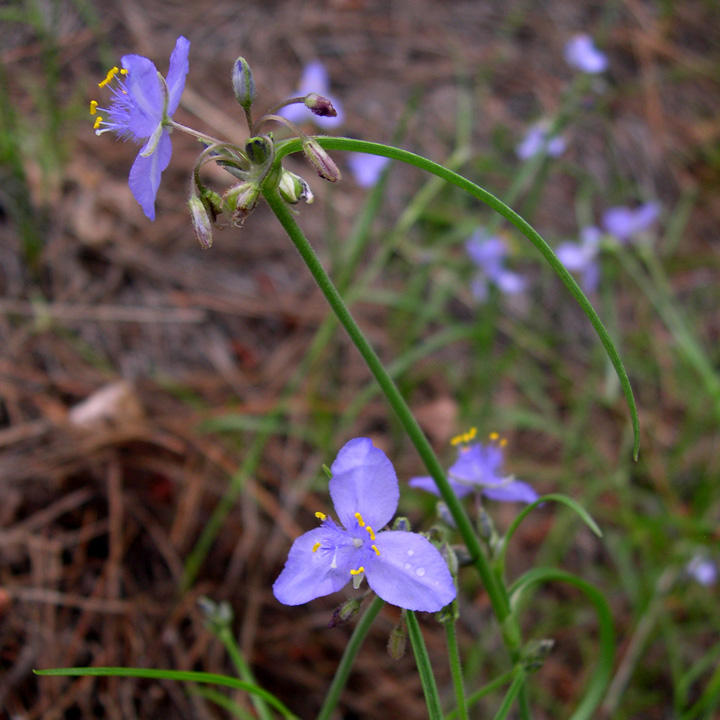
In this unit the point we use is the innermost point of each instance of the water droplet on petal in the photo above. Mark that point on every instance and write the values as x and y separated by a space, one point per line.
420 572
406 566
410 553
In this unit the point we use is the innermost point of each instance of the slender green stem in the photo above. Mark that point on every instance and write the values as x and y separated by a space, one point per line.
432 698
493 685
348 659
227 638
456 670
512 693
332 143
185 675
497 597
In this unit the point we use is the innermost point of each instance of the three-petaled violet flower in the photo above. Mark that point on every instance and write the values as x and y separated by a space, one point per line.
403 568
140 110
478 470
489 253
581 53
582 257
625 222
538 140
366 169
314 79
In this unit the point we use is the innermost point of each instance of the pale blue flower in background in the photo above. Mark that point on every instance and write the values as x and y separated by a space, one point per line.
703 570
366 169
537 141
581 257
314 79
489 253
581 53
478 470
140 110
625 222
403 568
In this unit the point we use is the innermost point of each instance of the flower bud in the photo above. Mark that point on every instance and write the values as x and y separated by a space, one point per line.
243 83
449 614
535 653
201 222
345 612
218 616
319 105
293 188
258 149
240 200
397 642
320 160
401 523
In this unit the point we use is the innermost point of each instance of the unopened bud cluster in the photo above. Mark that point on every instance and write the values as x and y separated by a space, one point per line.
253 165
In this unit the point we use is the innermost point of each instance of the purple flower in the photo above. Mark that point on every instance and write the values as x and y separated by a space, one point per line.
403 568
314 79
489 253
478 469
625 222
140 110
703 570
582 257
581 53
367 168
537 141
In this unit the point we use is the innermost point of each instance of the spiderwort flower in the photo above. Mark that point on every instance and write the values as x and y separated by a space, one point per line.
582 257
537 140
314 79
403 568
703 570
489 254
478 470
140 110
625 222
366 169
581 53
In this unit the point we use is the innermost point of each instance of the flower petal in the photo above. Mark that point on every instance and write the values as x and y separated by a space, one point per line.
479 464
314 78
515 491
143 86
427 483
364 481
308 575
367 168
177 73
145 174
410 572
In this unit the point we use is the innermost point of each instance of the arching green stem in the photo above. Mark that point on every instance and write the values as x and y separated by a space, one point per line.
332 143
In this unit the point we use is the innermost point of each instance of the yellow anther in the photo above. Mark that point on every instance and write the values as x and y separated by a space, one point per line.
93 107
465 437
358 571
503 442
316 546
370 532
111 74
374 547
124 71
97 122
320 516
358 517
494 436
